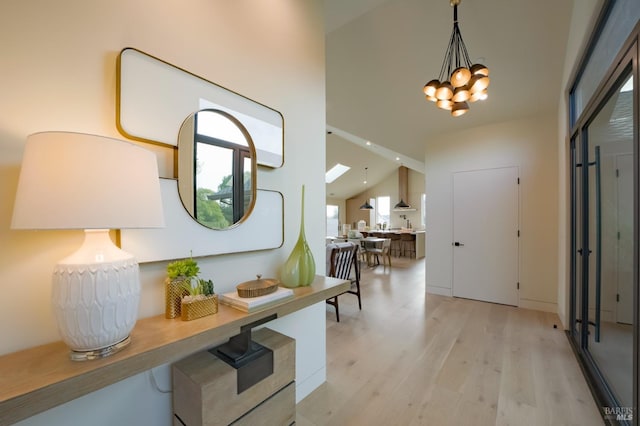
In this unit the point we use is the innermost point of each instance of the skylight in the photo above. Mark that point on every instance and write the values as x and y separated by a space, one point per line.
335 172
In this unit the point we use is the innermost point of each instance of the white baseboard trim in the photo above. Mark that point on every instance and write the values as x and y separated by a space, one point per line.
311 383
537 305
442 291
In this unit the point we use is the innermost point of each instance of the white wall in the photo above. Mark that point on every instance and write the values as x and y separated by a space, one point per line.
529 144
58 73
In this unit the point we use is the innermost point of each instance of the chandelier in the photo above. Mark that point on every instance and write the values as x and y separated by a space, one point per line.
459 81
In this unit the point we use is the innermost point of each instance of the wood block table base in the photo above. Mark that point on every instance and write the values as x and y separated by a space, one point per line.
205 388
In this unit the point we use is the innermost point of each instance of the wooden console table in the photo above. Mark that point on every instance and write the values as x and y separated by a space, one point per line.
40 378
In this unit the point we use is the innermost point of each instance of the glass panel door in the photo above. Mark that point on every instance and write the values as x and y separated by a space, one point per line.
609 236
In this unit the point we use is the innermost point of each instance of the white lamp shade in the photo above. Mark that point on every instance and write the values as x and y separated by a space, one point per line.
81 181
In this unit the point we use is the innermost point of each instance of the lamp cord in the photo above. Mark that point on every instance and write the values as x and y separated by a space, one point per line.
154 383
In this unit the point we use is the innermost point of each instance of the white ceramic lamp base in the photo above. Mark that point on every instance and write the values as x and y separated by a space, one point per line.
96 292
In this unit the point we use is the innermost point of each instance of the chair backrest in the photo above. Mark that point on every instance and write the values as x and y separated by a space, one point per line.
343 257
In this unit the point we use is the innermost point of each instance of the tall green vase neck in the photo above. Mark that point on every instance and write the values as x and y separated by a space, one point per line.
302 215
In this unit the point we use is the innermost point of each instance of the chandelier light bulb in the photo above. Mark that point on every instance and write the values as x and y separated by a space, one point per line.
431 98
431 87
479 69
445 104
459 108
460 76
445 91
478 83
460 94
478 96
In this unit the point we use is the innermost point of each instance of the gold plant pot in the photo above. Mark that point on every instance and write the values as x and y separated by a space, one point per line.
174 291
199 308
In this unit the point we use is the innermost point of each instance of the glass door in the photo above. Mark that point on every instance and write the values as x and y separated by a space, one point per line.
609 174
604 118
603 197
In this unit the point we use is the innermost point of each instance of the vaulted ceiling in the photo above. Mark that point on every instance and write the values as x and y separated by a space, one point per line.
379 54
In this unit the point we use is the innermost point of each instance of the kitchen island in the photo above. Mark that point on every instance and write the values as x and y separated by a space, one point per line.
419 241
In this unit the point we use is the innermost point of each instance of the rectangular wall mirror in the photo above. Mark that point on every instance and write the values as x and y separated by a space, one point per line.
155 97
154 100
262 230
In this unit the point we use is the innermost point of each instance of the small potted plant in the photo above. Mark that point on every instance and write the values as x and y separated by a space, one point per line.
178 273
200 300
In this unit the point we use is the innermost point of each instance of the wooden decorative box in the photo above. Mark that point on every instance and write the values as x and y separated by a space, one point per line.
199 308
205 388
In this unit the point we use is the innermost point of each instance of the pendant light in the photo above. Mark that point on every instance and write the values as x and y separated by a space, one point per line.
401 205
366 205
403 183
459 81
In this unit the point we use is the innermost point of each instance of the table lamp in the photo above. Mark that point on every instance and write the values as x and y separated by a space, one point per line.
80 181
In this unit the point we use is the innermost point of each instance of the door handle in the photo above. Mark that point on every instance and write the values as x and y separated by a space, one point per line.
458 244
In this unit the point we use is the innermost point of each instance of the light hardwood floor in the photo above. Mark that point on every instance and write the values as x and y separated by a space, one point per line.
413 359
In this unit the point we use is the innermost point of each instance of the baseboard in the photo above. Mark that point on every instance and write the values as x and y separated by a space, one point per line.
442 291
537 305
311 383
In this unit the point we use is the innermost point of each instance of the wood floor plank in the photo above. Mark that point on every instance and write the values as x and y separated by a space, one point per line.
408 358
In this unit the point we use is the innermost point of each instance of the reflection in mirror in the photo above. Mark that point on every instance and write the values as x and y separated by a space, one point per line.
216 169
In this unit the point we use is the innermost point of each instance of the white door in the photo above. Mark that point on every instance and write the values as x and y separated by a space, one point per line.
485 235
624 310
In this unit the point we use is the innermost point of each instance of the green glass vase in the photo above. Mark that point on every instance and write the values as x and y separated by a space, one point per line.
300 268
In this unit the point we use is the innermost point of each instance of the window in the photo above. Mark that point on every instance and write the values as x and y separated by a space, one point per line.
333 221
383 210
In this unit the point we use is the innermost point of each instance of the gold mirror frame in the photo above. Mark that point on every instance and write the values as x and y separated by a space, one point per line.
187 164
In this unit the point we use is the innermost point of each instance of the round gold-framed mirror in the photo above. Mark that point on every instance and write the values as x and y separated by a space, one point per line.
216 169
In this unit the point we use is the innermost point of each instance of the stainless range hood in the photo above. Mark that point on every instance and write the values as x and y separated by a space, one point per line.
403 190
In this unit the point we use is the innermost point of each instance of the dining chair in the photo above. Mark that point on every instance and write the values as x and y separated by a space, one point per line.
362 252
384 250
343 263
